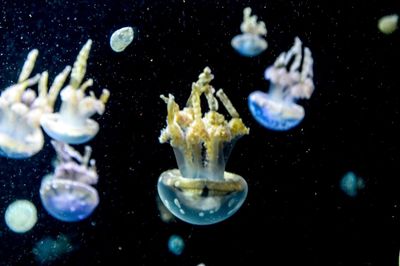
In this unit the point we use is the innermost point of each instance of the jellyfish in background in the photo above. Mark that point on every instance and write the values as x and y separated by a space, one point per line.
176 245
48 249
250 43
277 109
67 195
201 192
388 24
121 39
351 184
21 109
72 124
165 215
21 216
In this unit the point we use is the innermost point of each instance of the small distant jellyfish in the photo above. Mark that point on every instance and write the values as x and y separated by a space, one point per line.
165 215
121 38
48 249
250 43
351 184
176 245
21 216
68 195
277 109
200 191
21 109
388 24
72 124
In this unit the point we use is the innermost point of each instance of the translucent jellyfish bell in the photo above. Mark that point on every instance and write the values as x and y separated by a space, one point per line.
21 109
277 109
250 43
21 216
201 192
72 124
67 194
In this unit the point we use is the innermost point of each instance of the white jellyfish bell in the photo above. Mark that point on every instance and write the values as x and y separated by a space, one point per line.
72 124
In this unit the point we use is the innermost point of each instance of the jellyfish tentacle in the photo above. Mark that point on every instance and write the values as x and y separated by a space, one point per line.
28 65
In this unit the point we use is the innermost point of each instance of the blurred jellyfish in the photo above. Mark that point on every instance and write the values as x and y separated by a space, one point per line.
176 245
21 110
68 195
121 38
201 192
351 184
72 124
165 215
48 249
250 43
21 216
277 109
388 24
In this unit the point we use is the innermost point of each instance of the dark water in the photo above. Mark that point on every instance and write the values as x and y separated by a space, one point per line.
295 211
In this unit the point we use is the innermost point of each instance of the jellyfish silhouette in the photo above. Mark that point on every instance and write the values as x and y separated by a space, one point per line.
351 184
250 43
21 109
67 194
277 109
176 245
72 124
201 192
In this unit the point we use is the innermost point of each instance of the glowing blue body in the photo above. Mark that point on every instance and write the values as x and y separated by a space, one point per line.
47 249
259 103
248 44
176 245
351 184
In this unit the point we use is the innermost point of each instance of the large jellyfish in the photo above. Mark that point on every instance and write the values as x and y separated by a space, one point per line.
67 194
200 191
277 109
72 124
21 109
250 43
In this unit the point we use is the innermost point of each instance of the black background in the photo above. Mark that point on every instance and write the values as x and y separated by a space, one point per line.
295 213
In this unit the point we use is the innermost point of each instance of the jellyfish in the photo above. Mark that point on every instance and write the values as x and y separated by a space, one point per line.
72 124
121 38
351 184
250 43
200 191
48 249
67 195
21 109
165 215
176 245
277 109
388 24
21 216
